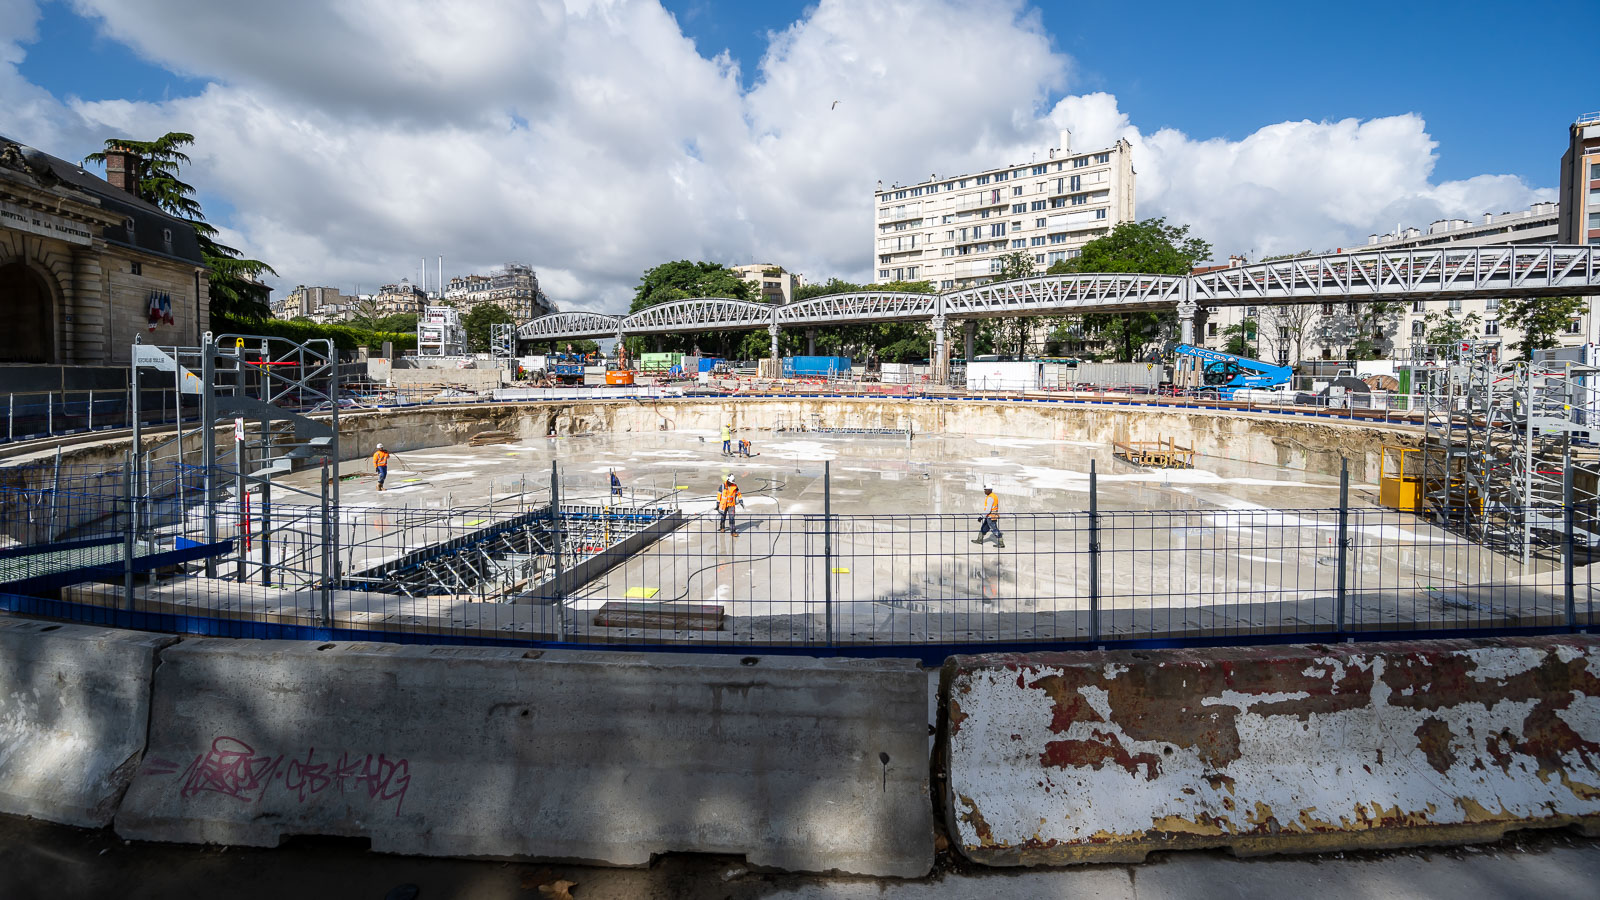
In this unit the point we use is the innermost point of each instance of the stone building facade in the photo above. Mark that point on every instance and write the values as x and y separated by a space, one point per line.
84 263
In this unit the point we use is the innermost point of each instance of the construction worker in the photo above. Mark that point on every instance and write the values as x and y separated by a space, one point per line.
727 498
744 448
991 518
727 439
616 484
380 464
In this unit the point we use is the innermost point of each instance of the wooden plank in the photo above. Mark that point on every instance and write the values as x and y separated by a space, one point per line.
678 616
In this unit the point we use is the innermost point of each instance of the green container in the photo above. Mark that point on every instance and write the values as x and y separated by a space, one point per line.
659 362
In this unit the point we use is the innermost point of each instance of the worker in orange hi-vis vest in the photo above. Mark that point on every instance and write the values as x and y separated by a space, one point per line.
727 498
380 464
991 518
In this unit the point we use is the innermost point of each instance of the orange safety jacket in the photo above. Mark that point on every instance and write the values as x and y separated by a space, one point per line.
379 459
728 496
992 505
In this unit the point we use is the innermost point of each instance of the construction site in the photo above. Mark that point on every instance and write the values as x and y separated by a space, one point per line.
233 585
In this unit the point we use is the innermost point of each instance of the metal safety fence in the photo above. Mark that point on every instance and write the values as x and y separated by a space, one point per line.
655 569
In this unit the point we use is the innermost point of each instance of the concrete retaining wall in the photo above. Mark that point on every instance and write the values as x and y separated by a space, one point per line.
795 763
1104 757
74 709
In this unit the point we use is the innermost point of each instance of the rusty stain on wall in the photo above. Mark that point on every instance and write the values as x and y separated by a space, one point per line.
1108 755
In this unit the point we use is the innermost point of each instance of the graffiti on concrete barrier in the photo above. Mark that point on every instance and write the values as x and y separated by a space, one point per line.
234 769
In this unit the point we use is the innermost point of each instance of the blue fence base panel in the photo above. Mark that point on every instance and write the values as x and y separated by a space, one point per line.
929 654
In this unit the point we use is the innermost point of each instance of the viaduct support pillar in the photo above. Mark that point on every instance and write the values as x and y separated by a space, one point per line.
1186 313
941 352
970 328
811 342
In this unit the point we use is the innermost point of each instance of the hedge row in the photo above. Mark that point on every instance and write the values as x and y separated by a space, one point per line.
344 337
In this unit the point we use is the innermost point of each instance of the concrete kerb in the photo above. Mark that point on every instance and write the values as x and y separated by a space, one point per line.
74 713
798 764
1055 758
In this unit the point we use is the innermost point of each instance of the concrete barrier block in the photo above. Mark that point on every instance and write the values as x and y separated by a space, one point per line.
796 763
74 709
1103 757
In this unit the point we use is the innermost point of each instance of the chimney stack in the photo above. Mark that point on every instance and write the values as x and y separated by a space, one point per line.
1066 142
122 169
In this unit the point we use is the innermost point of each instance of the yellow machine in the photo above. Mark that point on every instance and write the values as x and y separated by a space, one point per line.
1396 488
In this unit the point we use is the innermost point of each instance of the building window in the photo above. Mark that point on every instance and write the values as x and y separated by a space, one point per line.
136 268
1016 226
1491 304
946 284
997 230
1058 239
883 273
1594 220
911 273
1455 305
1327 309
1040 170
1211 329
1019 208
1002 176
1594 171
1575 326
1038 223
1076 184
1080 199
1016 191
983 179
884 258
1038 259
1490 326
1080 162
1416 306
1250 312
1056 256
1099 214
1418 329
1102 158
1038 205
1019 243
1037 241
1057 202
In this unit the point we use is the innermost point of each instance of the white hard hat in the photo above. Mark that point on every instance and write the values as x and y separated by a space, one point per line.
380 446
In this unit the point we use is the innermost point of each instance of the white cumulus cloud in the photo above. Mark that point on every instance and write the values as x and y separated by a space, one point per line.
592 139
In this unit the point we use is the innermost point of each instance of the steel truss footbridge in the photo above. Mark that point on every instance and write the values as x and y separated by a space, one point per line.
1533 270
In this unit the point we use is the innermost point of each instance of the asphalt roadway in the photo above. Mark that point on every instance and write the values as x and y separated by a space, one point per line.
48 861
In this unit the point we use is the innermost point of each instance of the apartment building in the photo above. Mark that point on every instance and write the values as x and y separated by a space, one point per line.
310 301
953 231
1289 334
1580 182
514 288
393 299
773 284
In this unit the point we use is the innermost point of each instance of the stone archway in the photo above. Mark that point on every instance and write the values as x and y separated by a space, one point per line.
27 308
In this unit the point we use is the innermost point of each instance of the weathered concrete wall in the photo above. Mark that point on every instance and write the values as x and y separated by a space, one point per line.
74 709
466 379
1105 757
795 763
1307 444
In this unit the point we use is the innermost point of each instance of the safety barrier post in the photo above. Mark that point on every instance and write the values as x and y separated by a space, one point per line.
827 552
1568 593
11 416
328 559
1344 542
127 535
91 409
1094 554
555 531
49 413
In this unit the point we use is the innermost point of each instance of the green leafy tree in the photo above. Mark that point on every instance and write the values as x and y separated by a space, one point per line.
681 280
477 322
1152 247
1442 327
1240 339
1540 319
235 287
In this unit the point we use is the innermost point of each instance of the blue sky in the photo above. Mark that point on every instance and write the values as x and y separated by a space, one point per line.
1497 83
594 141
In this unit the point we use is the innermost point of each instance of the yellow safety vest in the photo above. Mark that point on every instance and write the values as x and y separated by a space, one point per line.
992 501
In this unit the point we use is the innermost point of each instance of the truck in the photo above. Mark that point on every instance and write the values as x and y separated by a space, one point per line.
566 368
1212 372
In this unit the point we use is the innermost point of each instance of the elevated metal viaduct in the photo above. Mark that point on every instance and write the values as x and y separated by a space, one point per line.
1535 270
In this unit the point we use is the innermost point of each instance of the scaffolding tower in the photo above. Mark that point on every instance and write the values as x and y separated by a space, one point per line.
1508 449
440 333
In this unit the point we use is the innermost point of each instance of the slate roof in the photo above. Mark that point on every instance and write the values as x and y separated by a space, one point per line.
151 226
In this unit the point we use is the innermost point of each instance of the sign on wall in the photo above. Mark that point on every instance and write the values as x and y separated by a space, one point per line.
44 224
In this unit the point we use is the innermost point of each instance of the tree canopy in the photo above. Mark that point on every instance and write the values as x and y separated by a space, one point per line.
236 290
1540 319
477 321
1150 246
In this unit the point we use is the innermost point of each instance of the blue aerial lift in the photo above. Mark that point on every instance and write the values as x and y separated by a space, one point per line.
1226 373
